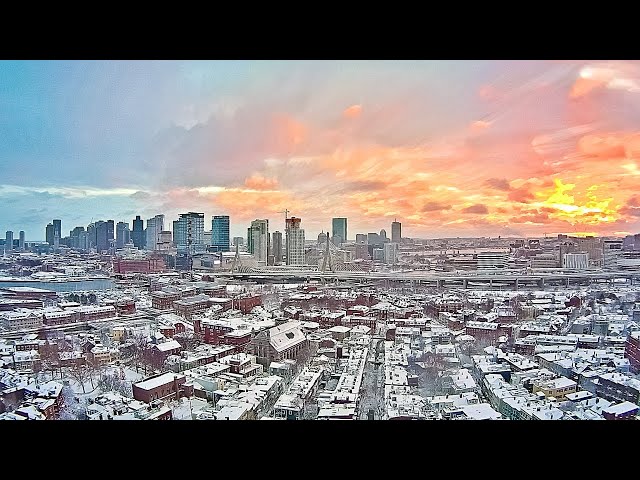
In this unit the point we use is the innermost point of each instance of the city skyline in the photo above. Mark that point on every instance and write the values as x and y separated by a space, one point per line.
449 148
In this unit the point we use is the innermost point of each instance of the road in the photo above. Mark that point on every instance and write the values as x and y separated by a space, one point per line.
372 397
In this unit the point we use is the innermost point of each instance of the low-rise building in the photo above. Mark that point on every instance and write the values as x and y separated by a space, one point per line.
159 387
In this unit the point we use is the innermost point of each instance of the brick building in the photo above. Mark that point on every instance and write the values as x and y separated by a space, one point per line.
482 331
164 386
632 351
246 303
139 265
189 306
161 300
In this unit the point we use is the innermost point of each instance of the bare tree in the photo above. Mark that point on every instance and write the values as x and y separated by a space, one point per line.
112 382
139 349
50 357
95 373
188 340
80 373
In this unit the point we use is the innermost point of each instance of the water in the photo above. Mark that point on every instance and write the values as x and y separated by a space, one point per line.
81 286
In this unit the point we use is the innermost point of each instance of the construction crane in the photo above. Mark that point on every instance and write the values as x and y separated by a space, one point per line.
286 215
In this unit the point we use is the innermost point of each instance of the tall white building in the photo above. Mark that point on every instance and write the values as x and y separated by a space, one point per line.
612 253
575 261
259 240
188 232
491 260
391 253
154 226
294 242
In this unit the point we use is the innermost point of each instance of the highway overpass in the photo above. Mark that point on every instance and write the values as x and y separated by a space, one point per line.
470 280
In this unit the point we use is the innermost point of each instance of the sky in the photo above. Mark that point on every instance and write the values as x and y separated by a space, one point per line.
448 148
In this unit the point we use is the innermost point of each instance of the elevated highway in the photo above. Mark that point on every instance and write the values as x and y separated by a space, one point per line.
443 280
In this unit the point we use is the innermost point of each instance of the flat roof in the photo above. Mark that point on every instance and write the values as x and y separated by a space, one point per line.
158 381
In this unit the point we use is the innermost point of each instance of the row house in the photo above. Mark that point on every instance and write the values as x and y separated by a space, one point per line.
90 313
618 387
246 303
483 331
60 317
355 320
203 355
211 289
165 386
242 364
239 339
331 319
189 306
162 300
22 319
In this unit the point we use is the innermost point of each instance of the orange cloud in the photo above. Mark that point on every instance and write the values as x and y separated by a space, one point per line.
353 111
479 125
583 86
258 182
602 146
251 204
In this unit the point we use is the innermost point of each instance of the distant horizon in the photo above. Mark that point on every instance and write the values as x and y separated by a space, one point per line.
449 148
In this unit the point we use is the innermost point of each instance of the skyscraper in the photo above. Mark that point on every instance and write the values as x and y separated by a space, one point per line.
122 234
188 232
276 247
111 238
220 233
49 234
57 228
21 241
154 226
75 238
373 238
102 236
250 240
396 232
339 230
259 235
294 242
138 232
92 238
83 241
361 238
8 243
391 253
383 235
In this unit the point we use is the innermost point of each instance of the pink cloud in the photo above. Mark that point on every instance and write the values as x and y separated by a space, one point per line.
354 111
